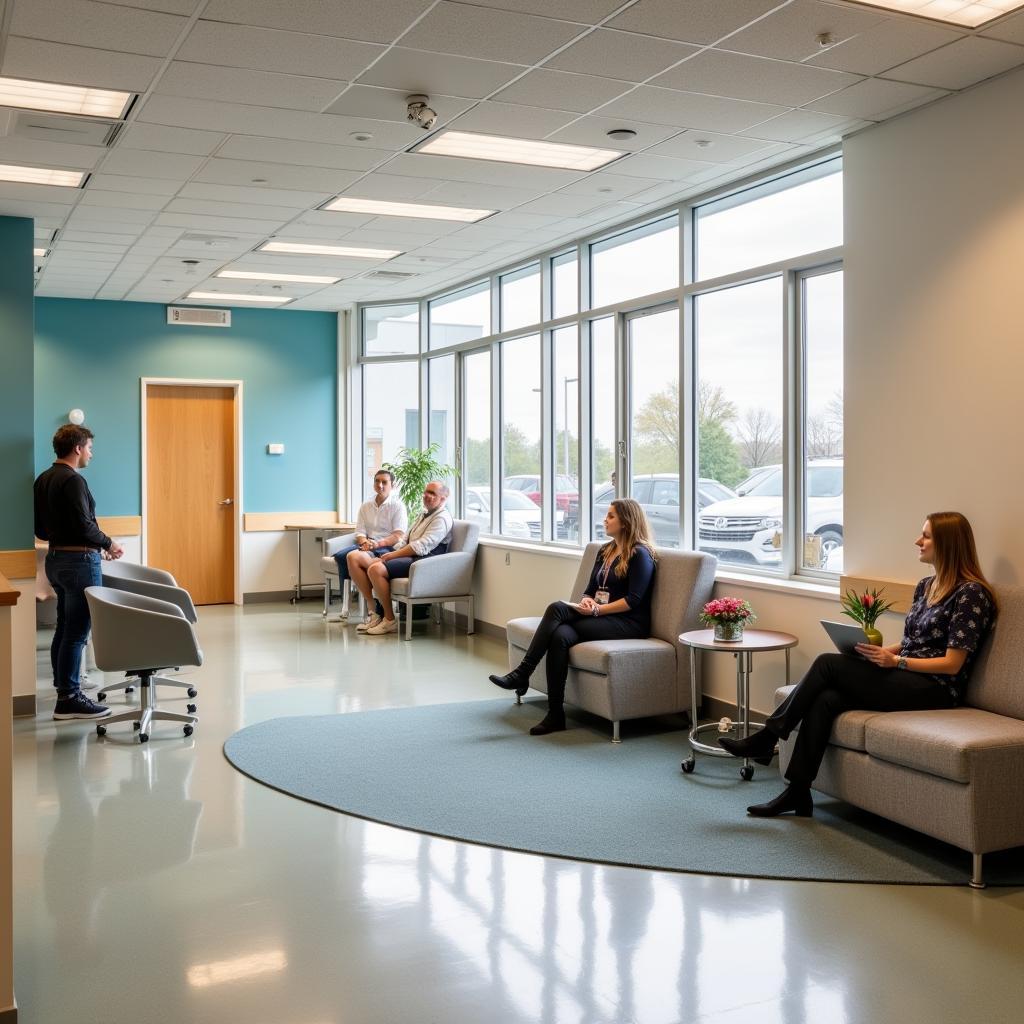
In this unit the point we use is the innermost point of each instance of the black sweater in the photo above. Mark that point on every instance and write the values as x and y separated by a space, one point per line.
65 512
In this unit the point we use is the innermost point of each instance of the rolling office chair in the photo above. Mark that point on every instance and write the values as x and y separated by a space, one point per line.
159 584
141 636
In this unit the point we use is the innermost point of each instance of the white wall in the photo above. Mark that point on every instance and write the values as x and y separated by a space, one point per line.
934 207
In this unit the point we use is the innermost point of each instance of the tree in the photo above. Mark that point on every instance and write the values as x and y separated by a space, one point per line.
712 405
718 456
520 454
759 434
824 437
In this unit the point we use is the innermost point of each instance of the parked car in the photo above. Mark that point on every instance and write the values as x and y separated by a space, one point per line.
521 516
566 489
658 493
748 529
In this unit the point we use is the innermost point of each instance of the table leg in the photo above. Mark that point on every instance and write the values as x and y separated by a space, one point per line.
298 567
787 666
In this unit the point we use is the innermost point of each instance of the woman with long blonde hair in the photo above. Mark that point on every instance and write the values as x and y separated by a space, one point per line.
616 605
948 620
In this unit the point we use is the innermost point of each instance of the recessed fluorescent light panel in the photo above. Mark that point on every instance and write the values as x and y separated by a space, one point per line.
969 13
267 300
301 249
252 275
518 151
41 175
63 99
380 208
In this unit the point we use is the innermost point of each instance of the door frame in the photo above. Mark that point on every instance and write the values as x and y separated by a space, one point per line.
203 382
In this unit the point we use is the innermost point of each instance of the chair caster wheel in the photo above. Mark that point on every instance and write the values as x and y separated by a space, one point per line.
101 697
187 730
143 737
101 730
190 708
192 691
747 772
136 726
129 689
688 765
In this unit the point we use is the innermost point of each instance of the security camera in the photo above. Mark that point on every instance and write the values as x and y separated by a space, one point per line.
418 111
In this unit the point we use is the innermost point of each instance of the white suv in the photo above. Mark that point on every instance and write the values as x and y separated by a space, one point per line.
748 529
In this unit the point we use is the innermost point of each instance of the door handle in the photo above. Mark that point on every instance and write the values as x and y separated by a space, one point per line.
226 501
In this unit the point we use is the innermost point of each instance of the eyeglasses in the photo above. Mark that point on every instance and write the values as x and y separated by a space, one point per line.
432 494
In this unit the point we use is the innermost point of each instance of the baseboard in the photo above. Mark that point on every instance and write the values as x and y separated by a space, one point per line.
268 596
716 707
10 1015
24 707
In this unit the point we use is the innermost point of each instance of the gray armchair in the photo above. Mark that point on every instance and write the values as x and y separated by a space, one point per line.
149 582
141 635
624 679
442 579
329 566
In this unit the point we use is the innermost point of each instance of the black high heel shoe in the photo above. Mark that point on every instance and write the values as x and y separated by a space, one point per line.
758 746
551 723
793 798
514 680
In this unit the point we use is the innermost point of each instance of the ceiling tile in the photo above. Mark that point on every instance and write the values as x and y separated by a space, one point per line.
306 154
461 193
126 183
169 140
690 110
148 163
697 21
79 65
593 131
562 91
662 168
220 208
512 120
50 194
204 222
960 64
792 32
123 200
185 7
292 198
622 55
390 186
15 150
391 105
797 125
242 172
237 85
351 19
608 186
587 12
484 172
741 76
875 99
1011 29
263 49
707 147
560 204
885 45
420 71
490 34
115 220
104 26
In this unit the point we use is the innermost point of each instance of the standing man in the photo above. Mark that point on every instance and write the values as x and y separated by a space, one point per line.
380 525
65 515
429 535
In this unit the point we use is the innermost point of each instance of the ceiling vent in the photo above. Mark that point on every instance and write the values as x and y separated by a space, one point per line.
195 317
79 131
387 275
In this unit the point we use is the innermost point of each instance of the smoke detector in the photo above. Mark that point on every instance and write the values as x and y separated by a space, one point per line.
419 113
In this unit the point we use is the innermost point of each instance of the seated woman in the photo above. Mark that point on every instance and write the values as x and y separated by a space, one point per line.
947 622
615 606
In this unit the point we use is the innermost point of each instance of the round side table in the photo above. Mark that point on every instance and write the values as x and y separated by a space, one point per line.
754 641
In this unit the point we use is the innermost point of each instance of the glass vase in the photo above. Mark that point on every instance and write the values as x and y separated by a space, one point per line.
729 632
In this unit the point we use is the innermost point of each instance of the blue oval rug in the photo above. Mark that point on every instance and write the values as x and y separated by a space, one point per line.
471 771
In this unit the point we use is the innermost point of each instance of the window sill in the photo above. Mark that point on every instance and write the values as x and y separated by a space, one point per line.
534 548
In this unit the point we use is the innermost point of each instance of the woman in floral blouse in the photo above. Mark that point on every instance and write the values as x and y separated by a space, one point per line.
947 622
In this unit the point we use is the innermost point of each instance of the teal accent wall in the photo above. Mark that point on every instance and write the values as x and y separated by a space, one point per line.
91 355
16 426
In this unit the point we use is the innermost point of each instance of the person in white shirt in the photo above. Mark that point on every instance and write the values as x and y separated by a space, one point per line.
429 535
380 525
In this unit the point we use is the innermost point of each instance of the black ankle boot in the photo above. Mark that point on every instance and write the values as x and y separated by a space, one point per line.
517 680
759 746
554 721
793 798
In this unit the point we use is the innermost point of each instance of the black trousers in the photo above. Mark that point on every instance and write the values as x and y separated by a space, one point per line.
843 682
561 628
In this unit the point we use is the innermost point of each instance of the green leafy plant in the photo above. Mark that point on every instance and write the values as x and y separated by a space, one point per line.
865 608
414 468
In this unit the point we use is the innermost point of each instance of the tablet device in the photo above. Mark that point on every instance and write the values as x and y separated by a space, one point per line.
845 635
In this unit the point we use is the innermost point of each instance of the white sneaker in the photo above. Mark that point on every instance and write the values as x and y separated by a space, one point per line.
371 620
85 683
382 627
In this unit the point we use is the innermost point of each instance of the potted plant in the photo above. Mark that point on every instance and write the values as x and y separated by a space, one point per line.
728 615
865 608
413 469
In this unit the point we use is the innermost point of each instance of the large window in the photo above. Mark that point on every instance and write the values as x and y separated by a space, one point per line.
391 413
462 316
709 387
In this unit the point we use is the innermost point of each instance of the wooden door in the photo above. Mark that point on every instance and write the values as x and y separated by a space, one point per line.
190 488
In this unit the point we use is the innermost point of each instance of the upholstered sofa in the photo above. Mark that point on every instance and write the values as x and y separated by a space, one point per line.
625 679
957 775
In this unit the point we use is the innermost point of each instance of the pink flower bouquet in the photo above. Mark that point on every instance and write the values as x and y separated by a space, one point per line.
727 609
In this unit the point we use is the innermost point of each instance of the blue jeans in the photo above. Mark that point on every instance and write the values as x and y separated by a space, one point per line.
69 573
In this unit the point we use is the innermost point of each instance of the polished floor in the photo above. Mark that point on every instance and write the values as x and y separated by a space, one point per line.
156 884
